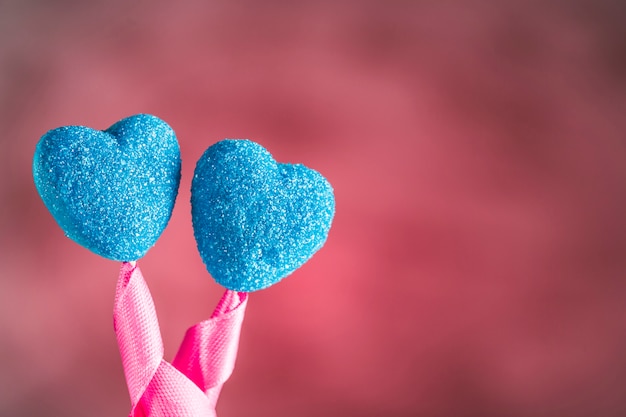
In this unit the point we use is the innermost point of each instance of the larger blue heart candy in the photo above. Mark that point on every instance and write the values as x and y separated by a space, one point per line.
111 191
255 220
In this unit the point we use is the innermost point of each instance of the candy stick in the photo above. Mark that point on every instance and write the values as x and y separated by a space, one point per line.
209 349
206 358
137 330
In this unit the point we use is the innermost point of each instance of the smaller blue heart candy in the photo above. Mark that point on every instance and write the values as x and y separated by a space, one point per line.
111 191
255 220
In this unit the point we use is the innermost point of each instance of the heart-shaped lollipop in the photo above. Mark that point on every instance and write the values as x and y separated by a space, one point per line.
255 220
111 191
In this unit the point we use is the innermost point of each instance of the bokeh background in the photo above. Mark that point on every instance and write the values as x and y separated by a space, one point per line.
476 266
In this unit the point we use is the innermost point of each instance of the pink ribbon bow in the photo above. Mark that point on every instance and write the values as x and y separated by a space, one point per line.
190 385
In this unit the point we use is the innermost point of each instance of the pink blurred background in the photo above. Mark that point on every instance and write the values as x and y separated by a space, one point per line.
477 259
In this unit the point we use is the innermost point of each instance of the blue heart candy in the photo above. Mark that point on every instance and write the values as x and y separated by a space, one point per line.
255 220
111 191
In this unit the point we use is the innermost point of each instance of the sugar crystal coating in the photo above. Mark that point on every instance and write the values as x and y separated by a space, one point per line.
256 221
111 191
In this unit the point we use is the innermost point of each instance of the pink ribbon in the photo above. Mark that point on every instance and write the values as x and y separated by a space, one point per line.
190 386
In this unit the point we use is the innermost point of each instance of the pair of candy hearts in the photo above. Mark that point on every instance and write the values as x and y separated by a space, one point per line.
255 220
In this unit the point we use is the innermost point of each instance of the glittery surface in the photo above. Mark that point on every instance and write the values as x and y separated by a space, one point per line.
111 191
255 220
